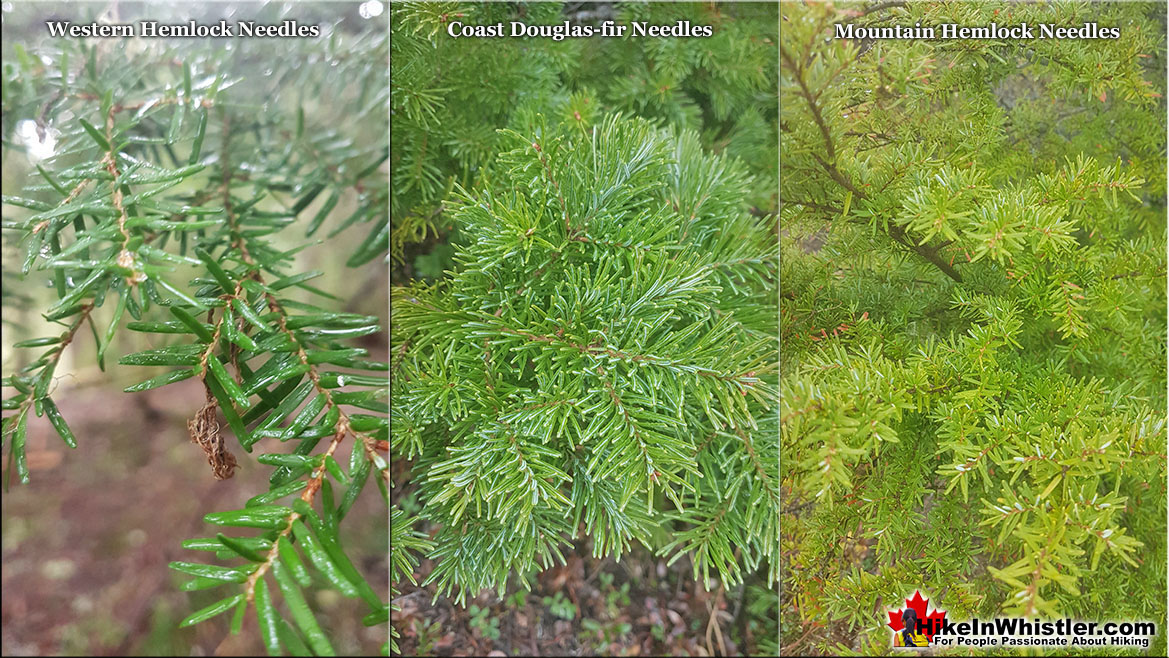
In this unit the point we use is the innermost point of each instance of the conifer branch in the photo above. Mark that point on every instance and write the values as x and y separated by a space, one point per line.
829 165
257 352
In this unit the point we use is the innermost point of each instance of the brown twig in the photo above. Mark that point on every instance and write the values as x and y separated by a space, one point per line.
712 625
343 427
789 650
829 166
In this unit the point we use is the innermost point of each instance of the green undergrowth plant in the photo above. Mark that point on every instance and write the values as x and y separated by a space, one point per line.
451 96
972 319
181 183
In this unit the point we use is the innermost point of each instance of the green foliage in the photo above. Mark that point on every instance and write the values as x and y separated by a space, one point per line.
722 86
560 606
404 542
443 115
600 635
598 362
614 598
179 178
602 362
762 610
428 634
480 621
450 96
973 325
518 599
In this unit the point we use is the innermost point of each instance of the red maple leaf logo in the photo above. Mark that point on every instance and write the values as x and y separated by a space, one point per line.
931 622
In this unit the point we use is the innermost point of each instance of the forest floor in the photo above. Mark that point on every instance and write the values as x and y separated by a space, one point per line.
639 606
86 543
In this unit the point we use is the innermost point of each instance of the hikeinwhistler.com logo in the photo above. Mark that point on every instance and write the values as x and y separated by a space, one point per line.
916 626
